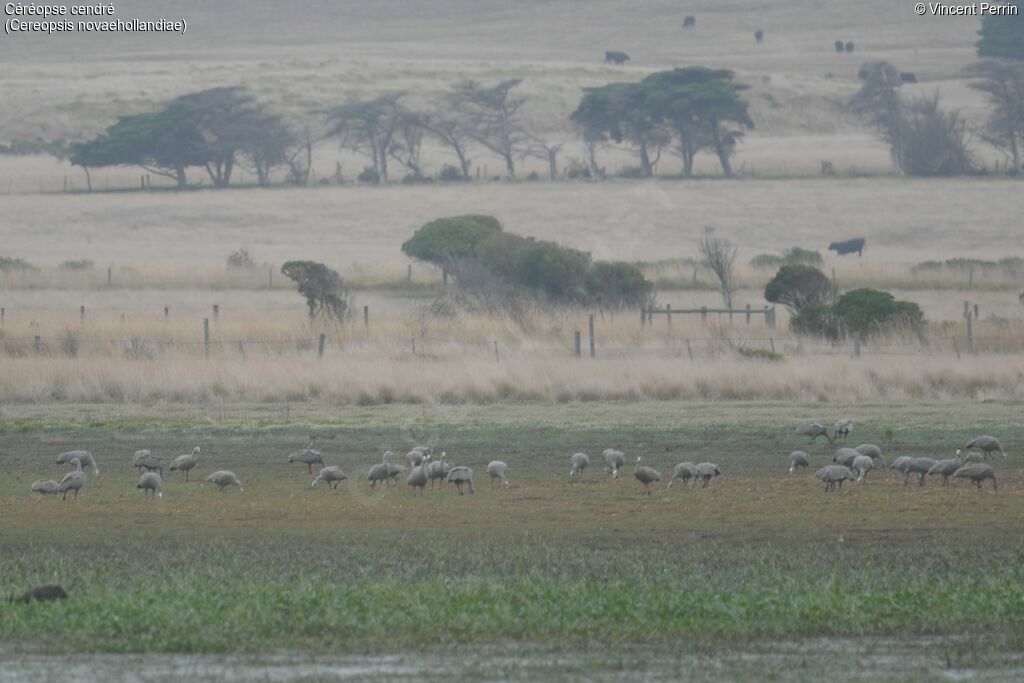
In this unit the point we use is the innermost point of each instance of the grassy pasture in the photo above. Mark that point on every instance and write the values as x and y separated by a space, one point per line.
759 554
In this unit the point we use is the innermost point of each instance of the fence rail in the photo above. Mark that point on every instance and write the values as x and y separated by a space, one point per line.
647 314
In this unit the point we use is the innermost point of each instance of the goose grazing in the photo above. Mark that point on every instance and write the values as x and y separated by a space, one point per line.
973 456
332 474
833 476
418 477
977 472
920 467
872 451
45 487
461 476
438 469
798 460
814 431
580 462
145 460
685 471
185 463
946 469
499 472
862 464
987 445
151 482
73 480
307 456
645 475
614 461
707 471
224 478
84 457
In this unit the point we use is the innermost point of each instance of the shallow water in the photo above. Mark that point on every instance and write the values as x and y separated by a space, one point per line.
806 660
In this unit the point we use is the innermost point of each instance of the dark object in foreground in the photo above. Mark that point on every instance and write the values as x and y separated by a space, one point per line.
43 594
849 247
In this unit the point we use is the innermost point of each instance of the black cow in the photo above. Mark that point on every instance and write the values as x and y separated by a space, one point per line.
839 47
690 22
908 77
849 46
848 247
759 36
613 57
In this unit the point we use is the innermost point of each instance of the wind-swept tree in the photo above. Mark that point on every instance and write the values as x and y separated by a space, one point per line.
618 112
1003 82
879 102
1003 35
368 127
493 118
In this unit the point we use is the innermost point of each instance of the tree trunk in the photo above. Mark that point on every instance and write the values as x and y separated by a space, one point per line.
553 164
645 161
88 178
722 151
179 175
1015 150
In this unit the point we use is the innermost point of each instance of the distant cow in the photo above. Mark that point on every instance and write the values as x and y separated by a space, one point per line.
612 57
849 46
848 247
690 22
908 77
839 47
759 36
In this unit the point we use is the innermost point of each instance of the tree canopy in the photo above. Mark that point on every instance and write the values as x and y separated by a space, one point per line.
1003 35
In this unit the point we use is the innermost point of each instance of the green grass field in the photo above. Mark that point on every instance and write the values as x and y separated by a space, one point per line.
759 556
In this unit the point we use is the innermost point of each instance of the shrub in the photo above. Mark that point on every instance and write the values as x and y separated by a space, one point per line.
450 174
759 355
816 320
536 264
797 286
369 175
794 256
413 179
631 172
322 287
617 285
934 141
445 241
241 259
8 263
78 264
1003 36
865 311
577 169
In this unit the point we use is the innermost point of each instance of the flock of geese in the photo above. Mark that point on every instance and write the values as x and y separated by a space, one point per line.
848 464
853 464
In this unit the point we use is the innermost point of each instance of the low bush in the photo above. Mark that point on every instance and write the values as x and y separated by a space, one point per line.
794 256
8 263
79 264
798 286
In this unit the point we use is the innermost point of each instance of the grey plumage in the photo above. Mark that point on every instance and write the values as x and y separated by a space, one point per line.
332 474
872 451
416 455
84 457
418 477
987 445
145 460
797 460
900 464
972 456
580 462
706 471
438 469
946 469
73 480
461 476
152 482
614 461
685 471
185 463
815 430
843 429
977 472
224 478
862 464
308 456
833 476
381 472
645 475
498 470
845 457
45 487
920 467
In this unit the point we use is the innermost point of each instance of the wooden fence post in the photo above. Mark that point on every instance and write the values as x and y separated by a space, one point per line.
413 340
81 314
668 314
771 341
3 314
748 314
576 343
769 317
590 322
206 336
970 333
704 314
643 317
167 311
216 311
320 347
497 358
856 346
366 317
408 274
689 349
110 276
975 311
36 342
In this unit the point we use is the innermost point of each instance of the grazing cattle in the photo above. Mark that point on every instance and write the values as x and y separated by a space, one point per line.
849 247
849 46
612 57
908 77
759 36
690 22
839 47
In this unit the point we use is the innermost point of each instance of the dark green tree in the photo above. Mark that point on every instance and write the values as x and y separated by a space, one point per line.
445 242
1003 35
322 287
619 112
797 286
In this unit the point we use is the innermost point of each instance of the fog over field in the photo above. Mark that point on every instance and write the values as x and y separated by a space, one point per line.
397 245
